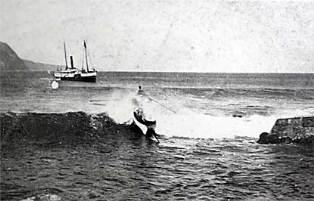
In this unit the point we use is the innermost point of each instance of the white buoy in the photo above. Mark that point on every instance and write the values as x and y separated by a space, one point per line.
54 84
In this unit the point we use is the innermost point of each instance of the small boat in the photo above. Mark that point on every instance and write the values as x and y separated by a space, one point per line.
74 74
146 126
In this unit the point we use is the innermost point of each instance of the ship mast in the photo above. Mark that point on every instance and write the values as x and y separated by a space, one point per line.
86 56
65 57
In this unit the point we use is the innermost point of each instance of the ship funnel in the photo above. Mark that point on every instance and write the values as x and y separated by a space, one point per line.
71 59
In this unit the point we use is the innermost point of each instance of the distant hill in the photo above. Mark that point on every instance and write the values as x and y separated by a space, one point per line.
34 66
9 60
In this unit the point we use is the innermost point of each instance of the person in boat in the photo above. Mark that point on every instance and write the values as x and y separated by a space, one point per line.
142 94
140 90
140 116
151 125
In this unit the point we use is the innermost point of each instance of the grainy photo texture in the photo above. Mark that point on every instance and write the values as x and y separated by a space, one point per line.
156 100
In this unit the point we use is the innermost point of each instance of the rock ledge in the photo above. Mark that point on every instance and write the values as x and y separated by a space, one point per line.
290 130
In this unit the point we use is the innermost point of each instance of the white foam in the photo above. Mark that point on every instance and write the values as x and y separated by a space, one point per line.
185 122
205 126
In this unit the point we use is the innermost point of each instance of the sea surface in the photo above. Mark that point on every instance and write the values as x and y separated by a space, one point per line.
209 123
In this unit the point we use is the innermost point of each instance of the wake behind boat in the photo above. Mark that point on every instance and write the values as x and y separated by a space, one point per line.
75 74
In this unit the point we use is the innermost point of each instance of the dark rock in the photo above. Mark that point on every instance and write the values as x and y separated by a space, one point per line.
290 130
287 140
266 138
263 138
54 129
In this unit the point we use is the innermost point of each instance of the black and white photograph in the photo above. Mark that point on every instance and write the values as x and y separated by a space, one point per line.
156 100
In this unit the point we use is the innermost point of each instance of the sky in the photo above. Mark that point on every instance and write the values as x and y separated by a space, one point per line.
165 35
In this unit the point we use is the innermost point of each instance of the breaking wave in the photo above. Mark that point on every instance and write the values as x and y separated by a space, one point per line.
72 128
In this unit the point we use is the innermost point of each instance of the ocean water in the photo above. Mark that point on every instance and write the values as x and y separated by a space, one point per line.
184 104
209 123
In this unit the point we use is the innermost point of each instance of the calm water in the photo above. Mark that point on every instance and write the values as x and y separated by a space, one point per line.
207 152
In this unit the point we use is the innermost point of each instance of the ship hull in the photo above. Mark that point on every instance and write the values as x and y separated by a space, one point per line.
80 79
77 76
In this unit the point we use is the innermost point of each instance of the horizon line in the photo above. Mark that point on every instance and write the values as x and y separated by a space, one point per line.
184 72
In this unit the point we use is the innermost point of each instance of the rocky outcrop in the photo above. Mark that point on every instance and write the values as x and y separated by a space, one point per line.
9 60
52 129
290 130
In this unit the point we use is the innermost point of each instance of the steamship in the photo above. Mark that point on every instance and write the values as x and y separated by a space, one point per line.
74 74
